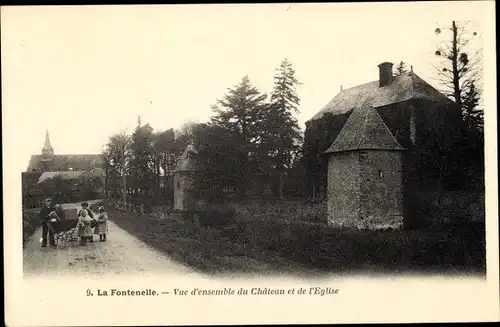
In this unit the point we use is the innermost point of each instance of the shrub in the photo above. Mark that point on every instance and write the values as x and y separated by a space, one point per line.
31 221
432 208
352 249
282 210
217 216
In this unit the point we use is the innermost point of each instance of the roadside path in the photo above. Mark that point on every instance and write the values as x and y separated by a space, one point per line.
121 254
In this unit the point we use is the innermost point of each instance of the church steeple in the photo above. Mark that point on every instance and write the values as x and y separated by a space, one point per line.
47 150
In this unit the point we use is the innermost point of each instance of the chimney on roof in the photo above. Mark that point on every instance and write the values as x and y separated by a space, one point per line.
385 73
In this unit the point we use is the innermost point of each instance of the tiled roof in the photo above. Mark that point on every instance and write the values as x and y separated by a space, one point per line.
94 172
404 87
65 175
187 161
364 130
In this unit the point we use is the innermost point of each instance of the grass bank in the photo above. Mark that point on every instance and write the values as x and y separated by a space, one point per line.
31 221
205 249
238 239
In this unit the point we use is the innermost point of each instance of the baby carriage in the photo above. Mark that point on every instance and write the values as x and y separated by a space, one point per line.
64 226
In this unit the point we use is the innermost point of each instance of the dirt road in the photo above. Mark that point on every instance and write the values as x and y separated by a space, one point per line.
121 254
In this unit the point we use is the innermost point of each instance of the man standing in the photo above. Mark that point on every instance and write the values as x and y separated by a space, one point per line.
44 217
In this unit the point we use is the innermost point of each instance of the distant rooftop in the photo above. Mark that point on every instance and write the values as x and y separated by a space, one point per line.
65 175
66 161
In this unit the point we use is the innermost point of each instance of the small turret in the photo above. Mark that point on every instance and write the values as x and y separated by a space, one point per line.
184 180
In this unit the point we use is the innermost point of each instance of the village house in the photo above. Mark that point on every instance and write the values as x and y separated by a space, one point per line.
383 144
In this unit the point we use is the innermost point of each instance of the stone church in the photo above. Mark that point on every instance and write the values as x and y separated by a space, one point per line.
48 161
72 168
386 143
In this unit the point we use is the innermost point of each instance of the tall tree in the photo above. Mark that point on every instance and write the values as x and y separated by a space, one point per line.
240 114
186 131
282 138
106 157
460 61
142 167
168 154
185 135
118 147
401 69
472 113
219 161
460 73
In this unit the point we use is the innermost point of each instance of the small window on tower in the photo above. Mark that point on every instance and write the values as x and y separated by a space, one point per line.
178 184
380 174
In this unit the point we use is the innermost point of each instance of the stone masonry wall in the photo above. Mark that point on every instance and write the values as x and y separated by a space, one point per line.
183 191
343 189
381 191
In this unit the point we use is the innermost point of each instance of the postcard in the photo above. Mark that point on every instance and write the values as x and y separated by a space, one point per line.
250 164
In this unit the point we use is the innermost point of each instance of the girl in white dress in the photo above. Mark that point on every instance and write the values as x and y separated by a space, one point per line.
102 224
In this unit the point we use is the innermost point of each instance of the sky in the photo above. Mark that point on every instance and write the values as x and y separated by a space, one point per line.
84 73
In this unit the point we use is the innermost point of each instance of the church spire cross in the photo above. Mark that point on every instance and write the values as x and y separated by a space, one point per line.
47 145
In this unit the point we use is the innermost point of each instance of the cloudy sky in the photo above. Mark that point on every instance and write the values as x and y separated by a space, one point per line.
85 73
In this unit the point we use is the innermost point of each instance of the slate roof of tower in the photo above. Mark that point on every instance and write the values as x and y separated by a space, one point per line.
402 88
364 130
187 161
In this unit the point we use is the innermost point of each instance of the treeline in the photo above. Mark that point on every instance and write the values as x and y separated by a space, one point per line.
253 145
250 146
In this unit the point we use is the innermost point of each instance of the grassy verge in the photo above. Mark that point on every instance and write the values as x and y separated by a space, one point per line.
258 244
31 221
205 248
447 249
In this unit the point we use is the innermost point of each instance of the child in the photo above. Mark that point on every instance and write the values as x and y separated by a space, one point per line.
54 217
85 207
102 224
84 227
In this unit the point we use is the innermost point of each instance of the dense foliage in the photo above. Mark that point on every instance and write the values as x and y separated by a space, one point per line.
250 146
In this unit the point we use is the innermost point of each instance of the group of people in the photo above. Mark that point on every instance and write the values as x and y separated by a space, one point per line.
87 225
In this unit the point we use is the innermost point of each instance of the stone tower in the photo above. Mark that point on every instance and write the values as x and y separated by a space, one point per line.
365 180
184 180
47 153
